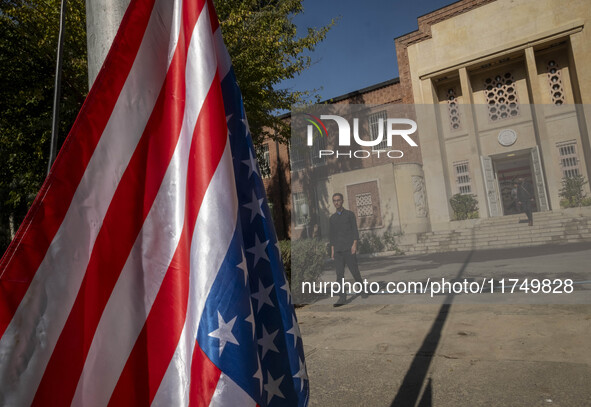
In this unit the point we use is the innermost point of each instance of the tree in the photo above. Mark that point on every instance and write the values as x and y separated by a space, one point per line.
465 206
28 43
260 36
265 49
572 193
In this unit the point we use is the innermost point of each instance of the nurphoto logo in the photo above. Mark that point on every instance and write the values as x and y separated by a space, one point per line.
397 127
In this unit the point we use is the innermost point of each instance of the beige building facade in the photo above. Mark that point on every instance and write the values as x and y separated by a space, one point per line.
501 90
509 82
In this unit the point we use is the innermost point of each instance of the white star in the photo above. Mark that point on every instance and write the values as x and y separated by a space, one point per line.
258 250
244 267
272 387
302 374
246 125
224 332
251 164
262 296
267 342
255 207
250 319
227 121
259 375
287 291
295 331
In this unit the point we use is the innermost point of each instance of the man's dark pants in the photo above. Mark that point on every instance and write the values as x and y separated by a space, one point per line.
526 207
342 258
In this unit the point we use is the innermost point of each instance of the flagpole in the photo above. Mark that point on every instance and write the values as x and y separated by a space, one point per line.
103 23
103 18
57 87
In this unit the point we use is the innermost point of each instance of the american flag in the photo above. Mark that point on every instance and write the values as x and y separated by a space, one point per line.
147 271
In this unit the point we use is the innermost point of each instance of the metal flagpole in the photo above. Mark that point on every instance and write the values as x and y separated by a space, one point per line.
102 22
57 88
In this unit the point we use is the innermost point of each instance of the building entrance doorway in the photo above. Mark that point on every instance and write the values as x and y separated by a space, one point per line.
509 169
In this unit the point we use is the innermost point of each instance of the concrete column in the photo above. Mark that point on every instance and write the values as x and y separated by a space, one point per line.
542 137
474 143
434 157
102 22
581 79
411 197
578 55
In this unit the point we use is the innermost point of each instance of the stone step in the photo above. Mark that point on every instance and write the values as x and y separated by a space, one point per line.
494 237
508 231
431 249
509 235
516 225
512 223
478 243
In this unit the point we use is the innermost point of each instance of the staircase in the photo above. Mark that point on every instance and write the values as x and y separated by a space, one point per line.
563 226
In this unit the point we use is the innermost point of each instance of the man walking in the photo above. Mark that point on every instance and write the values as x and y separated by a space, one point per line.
525 199
343 241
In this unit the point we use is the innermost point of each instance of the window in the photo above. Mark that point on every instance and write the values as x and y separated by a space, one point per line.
501 97
364 202
299 204
266 163
270 204
453 110
462 175
297 157
374 129
364 205
319 144
569 161
555 83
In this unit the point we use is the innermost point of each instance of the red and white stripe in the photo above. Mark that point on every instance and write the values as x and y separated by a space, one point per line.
133 222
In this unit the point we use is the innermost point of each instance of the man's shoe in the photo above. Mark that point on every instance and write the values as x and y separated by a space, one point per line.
531 223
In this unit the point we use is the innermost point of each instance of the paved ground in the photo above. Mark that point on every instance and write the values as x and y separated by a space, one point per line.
373 353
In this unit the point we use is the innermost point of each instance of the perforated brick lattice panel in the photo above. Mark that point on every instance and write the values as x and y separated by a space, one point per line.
364 205
454 113
555 83
501 97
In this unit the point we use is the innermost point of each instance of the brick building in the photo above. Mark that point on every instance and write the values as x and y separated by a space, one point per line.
503 90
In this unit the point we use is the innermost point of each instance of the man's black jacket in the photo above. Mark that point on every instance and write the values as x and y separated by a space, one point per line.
343 230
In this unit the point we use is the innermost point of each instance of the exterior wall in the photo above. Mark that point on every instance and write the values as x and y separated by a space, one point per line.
424 32
352 182
411 193
496 27
391 93
374 175
493 39
277 185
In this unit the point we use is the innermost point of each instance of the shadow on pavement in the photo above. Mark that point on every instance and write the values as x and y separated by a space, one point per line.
400 264
414 380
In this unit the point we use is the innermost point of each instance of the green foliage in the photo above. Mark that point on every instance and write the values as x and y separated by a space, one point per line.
572 192
265 49
370 242
465 206
28 43
307 260
285 250
390 242
260 36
